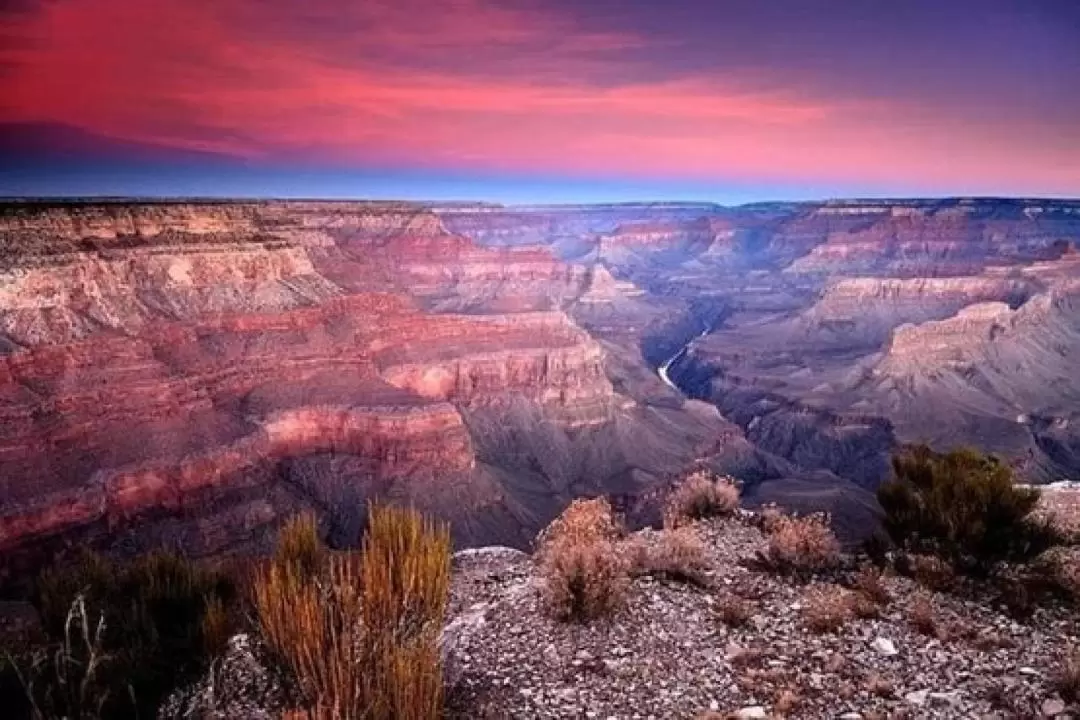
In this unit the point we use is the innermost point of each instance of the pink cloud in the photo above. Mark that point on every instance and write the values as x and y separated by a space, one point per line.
225 76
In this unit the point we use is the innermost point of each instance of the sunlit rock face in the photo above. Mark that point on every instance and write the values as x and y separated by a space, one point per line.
197 372
192 373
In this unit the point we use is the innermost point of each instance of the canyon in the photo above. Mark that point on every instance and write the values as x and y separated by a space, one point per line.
189 373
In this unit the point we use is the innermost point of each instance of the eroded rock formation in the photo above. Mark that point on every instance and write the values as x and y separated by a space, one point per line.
191 372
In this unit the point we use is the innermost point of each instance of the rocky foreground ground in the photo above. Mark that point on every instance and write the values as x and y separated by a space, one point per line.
668 653
738 645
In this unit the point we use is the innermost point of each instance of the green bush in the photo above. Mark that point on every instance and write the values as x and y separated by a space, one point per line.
124 634
962 507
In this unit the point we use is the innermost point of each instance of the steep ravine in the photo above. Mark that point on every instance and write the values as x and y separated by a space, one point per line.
662 370
853 447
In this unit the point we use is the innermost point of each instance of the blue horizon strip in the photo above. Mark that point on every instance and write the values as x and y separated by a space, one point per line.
212 180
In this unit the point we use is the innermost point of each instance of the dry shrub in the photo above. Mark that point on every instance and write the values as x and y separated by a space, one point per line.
313 624
360 631
803 545
1020 594
702 494
1054 575
922 617
583 569
584 520
1066 681
733 611
747 589
678 556
863 607
870 594
932 572
868 583
217 627
769 518
826 608
748 658
582 581
405 571
636 551
959 628
1063 566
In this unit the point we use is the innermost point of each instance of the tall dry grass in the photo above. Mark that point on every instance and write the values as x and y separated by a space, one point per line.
359 631
158 623
405 570
71 681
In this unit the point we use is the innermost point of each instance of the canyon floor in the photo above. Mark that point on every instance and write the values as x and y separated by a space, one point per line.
190 373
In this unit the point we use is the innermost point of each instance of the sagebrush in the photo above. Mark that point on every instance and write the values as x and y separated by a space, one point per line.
802 545
584 570
702 494
674 555
826 608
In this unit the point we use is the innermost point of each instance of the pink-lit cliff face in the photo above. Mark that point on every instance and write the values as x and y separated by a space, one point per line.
979 97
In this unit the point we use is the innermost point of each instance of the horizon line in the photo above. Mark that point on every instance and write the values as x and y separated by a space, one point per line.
209 199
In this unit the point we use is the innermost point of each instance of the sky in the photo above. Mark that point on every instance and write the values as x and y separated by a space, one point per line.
540 100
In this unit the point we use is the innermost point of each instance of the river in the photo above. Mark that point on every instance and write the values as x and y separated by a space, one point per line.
662 371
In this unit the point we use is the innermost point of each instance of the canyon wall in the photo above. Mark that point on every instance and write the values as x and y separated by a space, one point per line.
158 356
193 372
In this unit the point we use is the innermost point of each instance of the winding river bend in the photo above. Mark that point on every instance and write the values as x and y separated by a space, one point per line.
662 371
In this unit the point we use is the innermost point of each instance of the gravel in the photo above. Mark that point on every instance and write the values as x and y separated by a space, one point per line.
666 655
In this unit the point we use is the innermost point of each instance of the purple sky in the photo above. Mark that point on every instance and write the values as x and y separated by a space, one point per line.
521 99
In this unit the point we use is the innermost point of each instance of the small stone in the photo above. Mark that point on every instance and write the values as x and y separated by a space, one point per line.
1028 671
565 694
1053 707
946 698
851 716
918 697
751 713
884 646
